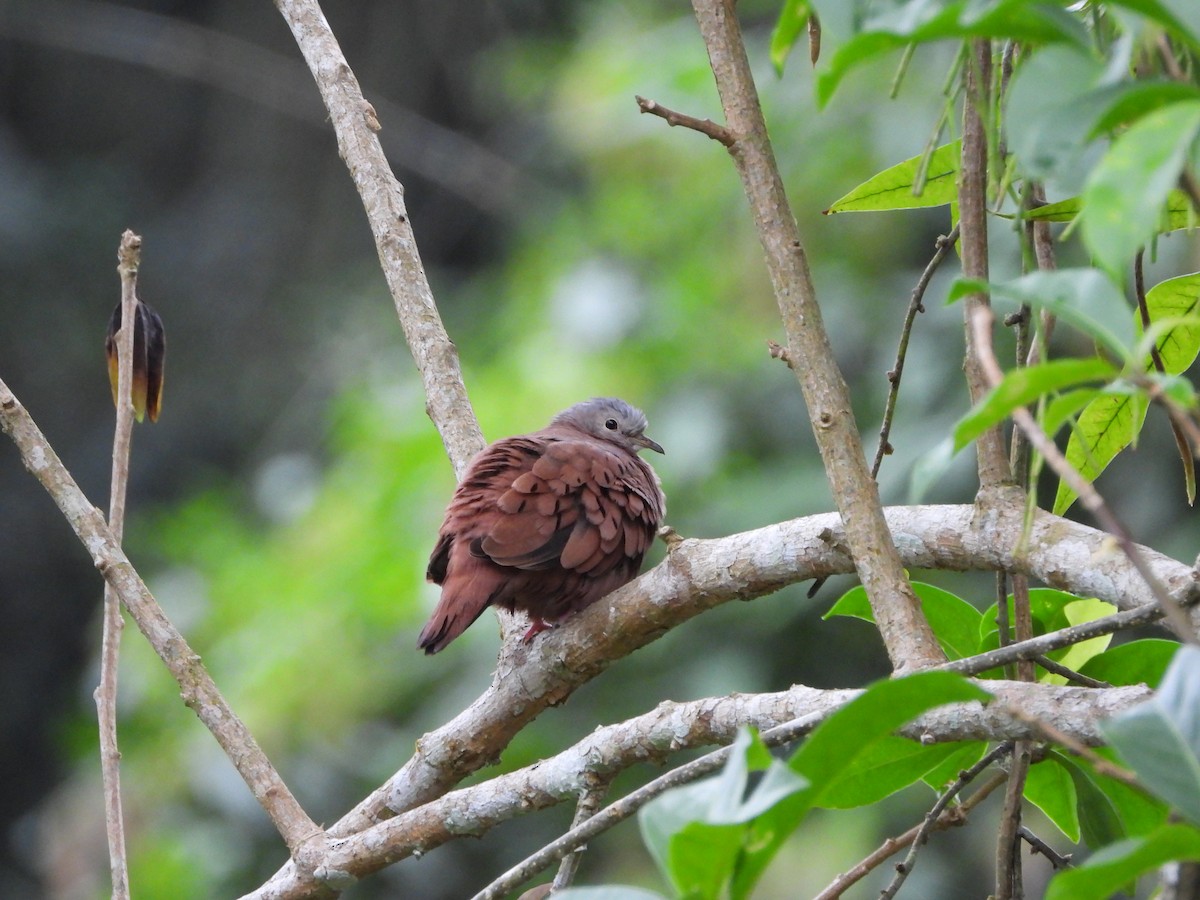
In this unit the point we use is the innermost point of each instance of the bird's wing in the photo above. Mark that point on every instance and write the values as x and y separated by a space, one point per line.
578 505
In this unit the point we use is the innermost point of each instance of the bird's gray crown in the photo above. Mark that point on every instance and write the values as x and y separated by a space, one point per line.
610 419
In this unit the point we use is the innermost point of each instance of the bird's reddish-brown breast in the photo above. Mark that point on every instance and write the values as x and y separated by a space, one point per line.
547 523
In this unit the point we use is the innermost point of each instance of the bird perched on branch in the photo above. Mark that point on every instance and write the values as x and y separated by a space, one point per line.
547 522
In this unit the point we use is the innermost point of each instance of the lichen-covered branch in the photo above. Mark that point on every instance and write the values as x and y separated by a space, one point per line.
668 729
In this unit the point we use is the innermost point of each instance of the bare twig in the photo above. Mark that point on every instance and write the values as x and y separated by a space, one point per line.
704 126
590 799
906 633
1008 839
1070 674
1088 495
1037 845
1053 640
356 125
905 868
915 305
1042 240
304 839
948 818
128 259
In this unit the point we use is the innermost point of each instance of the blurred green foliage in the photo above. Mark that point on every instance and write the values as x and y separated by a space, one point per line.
302 585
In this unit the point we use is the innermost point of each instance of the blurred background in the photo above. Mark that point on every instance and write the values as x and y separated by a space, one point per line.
284 505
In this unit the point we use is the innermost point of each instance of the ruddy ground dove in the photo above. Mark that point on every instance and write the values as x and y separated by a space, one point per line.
547 522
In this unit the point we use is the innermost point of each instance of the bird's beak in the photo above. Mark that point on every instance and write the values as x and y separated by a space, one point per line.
642 441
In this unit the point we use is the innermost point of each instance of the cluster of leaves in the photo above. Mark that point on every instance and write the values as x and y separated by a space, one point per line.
715 837
1103 106
1100 106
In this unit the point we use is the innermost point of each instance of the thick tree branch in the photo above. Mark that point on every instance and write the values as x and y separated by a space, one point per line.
701 574
669 728
304 839
909 640
355 124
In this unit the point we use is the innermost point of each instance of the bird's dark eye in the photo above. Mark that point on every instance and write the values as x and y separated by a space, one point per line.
611 424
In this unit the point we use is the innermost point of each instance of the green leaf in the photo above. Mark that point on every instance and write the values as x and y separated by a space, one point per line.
1139 812
1099 822
835 746
1106 426
1050 610
1179 211
1124 862
1064 407
942 775
1176 298
1160 738
695 833
891 764
1138 662
1050 788
1131 101
1181 16
893 188
920 21
954 621
1084 298
1051 111
1023 386
1124 199
790 24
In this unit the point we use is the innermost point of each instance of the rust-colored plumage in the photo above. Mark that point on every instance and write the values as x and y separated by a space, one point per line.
547 522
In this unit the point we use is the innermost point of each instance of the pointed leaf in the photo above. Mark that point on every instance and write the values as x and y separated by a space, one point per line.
954 621
1143 661
1106 426
1123 201
890 765
1023 386
695 833
1084 298
918 21
1077 655
1051 110
833 748
1064 407
947 771
1125 862
1050 788
788 27
1176 298
1179 211
1160 738
893 188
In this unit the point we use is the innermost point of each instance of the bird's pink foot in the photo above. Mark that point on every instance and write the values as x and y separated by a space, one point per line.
537 627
